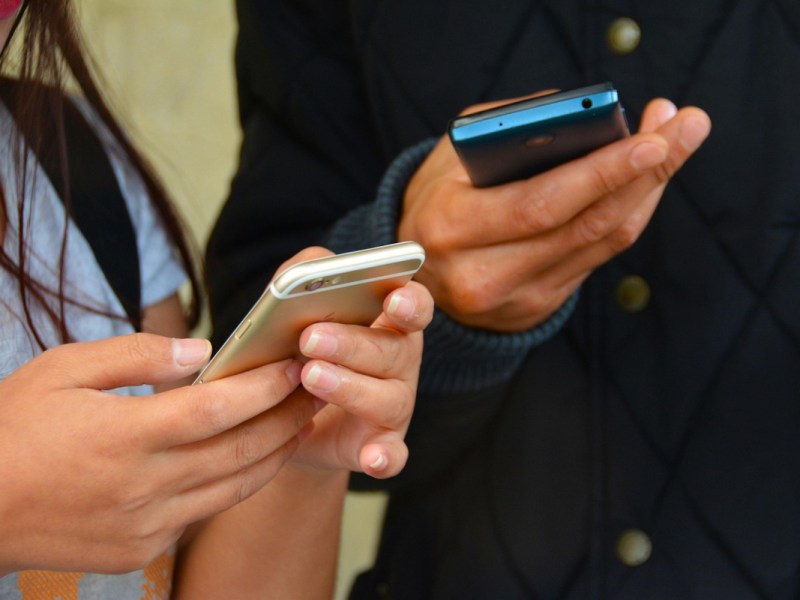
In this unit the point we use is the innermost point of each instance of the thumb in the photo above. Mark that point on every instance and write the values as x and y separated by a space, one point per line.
130 360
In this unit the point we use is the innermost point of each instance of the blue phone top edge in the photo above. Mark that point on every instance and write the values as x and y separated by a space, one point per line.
544 110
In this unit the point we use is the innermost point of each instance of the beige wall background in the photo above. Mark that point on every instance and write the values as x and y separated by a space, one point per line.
169 68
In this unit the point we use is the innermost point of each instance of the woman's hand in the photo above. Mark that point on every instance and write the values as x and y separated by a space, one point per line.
283 541
100 482
368 376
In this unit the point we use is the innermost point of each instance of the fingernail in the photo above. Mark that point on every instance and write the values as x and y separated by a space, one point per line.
322 378
647 155
320 344
694 131
190 352
379 464
400 306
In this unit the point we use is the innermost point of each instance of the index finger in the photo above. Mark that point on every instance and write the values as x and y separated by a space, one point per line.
197 412
546 201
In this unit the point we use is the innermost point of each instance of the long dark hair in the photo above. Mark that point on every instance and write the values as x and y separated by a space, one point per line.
52 53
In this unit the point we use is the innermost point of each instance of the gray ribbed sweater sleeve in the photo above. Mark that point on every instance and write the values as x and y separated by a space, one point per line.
456 358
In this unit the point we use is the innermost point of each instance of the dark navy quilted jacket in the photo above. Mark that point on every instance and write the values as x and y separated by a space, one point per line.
651 448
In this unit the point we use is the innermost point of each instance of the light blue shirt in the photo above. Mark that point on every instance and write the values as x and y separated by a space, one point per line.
161 276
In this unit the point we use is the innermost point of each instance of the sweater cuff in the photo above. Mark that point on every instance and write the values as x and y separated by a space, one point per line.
456 358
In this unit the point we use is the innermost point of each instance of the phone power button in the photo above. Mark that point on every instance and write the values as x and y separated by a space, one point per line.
243 329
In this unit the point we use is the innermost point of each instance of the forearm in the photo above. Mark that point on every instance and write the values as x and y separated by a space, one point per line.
281 543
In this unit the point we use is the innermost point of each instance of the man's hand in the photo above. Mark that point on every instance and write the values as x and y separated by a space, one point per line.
505 258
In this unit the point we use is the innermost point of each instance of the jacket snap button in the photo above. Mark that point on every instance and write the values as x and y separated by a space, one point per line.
623 35
633 294
634 547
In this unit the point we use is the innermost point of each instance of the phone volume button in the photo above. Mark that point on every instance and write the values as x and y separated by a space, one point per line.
243 329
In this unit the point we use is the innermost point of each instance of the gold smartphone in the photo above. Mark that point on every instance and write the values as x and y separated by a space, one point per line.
344 288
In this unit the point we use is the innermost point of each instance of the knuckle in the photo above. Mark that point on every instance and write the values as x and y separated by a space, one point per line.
385 352
591 227
349 348
625 235
594 223
393 353
133 499
251 479
535 214
601 178
145 346
472 292
246 486
400 409
246 447
665 171
356 390
212 412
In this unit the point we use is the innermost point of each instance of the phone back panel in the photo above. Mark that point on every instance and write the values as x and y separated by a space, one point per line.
346 288
521 139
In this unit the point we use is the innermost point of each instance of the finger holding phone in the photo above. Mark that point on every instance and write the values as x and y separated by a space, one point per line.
363 377
360 317
506 257
368 376
134 471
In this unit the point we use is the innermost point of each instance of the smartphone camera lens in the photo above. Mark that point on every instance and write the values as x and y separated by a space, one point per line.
539 140
315 285
586 103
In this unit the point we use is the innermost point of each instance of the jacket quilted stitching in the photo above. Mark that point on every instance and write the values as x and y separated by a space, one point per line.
681 420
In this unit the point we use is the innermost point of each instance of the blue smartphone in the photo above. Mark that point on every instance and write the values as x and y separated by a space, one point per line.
523 138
